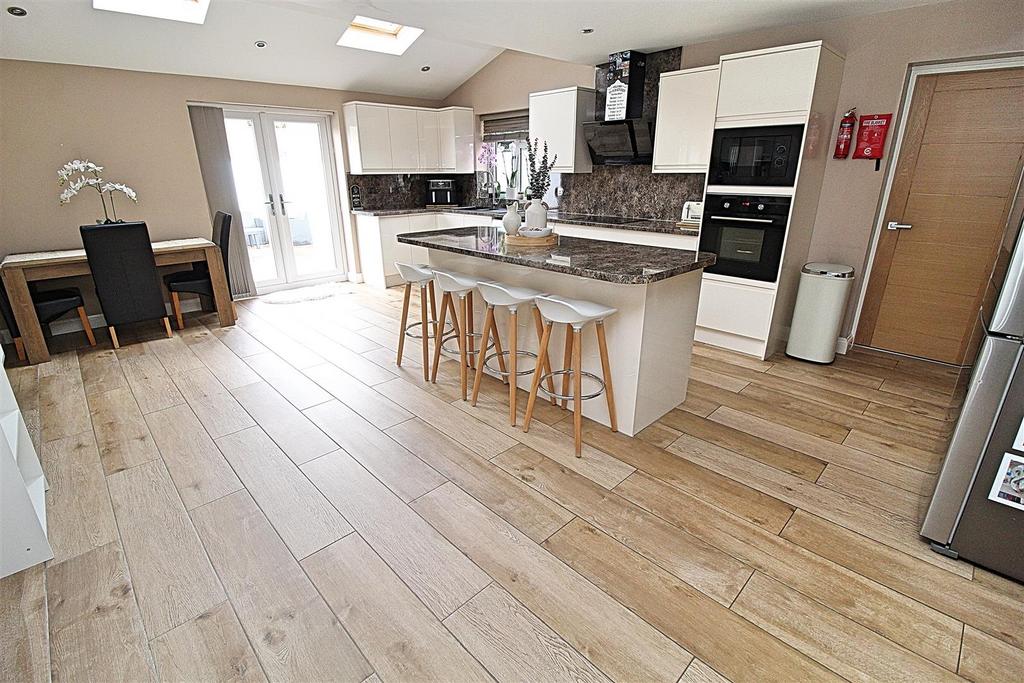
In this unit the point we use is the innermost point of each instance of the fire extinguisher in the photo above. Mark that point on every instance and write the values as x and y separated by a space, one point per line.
845 137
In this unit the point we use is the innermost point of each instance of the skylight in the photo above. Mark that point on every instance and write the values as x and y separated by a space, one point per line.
377 35
189 11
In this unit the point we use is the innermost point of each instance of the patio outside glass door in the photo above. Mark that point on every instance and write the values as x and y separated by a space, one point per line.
286 191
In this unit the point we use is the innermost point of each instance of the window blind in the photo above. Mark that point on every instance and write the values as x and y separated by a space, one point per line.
506 126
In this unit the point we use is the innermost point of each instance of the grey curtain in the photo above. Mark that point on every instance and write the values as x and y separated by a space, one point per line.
215 166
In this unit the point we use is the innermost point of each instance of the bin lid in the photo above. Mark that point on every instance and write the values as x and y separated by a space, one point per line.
837 270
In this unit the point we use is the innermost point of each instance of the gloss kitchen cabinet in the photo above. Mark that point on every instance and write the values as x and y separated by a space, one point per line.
686 120
397 139
555 118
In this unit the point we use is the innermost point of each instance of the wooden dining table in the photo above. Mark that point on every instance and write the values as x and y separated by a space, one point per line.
18 270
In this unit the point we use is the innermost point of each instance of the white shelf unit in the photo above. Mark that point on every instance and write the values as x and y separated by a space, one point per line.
384 138
23 541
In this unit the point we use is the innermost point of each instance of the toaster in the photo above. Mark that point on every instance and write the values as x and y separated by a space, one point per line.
692 211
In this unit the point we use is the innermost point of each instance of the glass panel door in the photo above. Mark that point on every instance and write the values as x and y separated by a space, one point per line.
287 193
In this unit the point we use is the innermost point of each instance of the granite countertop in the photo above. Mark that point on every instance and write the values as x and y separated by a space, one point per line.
555 216
627 264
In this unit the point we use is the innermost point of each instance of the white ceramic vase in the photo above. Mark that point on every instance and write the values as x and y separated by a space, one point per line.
536 215
511 220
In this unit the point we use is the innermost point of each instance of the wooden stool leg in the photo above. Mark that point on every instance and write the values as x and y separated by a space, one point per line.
176 305
86 327
497 347
577 389
439 331
479 375
513 347
606 370
566 364
167 327
539 324
542 355
463 345
405 321
433 301
470 329
423 331
113 336
19 348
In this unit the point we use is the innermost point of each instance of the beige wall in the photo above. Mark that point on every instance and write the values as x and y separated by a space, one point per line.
133 123
879 49
506 82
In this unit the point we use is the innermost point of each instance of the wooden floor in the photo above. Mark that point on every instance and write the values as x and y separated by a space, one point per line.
279 501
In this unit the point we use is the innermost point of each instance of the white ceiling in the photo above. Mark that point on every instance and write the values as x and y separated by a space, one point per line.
461 35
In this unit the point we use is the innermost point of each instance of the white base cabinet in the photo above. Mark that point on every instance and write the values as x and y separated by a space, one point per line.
735 315
686 120
394 139
23 541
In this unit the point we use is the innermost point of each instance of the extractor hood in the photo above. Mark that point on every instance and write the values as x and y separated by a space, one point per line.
621 134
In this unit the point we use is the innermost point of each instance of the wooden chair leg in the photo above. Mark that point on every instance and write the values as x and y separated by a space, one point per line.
86 327
513 347
463 347
234 311
167 326
423 331
446 299
577 389
19 348
470 328
176 305
566 364
539 324
479 374
606 370
542 355
405 321
113 336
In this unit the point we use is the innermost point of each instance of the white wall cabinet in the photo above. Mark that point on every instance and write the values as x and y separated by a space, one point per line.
767 84
556 117
686 120
395 139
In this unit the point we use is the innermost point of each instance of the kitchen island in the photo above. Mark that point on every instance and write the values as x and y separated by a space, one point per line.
655 290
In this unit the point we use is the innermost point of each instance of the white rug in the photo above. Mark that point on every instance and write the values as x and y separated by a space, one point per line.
311 293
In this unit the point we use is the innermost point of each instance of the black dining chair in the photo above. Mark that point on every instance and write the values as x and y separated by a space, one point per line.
197 280
49 305
124 269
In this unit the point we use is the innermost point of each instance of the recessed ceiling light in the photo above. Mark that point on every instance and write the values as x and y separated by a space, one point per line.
189 11
377 35
586 31
261 44
425 68
16 11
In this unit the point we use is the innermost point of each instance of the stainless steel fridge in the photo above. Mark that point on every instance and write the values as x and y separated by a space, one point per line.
977 509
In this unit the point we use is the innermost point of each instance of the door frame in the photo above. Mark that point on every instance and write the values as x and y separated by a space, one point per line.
915 72
330 157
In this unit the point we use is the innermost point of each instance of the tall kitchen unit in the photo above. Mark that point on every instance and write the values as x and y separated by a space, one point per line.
792 87
977 509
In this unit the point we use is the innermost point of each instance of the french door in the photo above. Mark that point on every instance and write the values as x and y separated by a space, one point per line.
286 191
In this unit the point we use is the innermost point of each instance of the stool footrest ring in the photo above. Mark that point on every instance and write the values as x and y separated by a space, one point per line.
474 352
448 329
505 354
570 397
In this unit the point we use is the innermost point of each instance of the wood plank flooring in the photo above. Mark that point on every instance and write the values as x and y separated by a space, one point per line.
278 501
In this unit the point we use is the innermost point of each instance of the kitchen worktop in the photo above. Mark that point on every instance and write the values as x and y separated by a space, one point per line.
616 262
555 216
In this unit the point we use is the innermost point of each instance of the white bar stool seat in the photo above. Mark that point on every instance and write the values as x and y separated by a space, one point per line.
574 314
459 285
421 275
497 294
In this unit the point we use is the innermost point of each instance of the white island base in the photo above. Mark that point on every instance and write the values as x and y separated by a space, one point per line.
650 339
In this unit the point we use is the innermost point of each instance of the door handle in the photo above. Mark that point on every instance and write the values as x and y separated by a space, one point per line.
896 225
284 212
273 211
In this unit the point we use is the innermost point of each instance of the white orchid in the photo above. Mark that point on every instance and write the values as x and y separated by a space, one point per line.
85 168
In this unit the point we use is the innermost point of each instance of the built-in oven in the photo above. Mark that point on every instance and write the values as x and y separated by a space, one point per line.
763 156
747 232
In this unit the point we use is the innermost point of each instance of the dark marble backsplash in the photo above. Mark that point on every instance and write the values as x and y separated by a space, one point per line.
631 191
407 190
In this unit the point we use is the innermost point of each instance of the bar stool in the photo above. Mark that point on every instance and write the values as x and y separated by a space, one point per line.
459 285
422 275
510 297
574 314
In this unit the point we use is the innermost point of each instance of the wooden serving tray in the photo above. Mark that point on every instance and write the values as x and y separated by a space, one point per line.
520 241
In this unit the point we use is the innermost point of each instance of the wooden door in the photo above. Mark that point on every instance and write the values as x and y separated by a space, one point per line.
954 182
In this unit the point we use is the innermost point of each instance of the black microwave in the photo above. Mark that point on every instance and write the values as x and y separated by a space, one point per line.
763 156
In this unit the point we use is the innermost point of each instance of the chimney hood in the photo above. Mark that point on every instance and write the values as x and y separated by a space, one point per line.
621 134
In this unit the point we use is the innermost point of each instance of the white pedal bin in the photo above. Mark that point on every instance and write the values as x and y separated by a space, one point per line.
819 311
